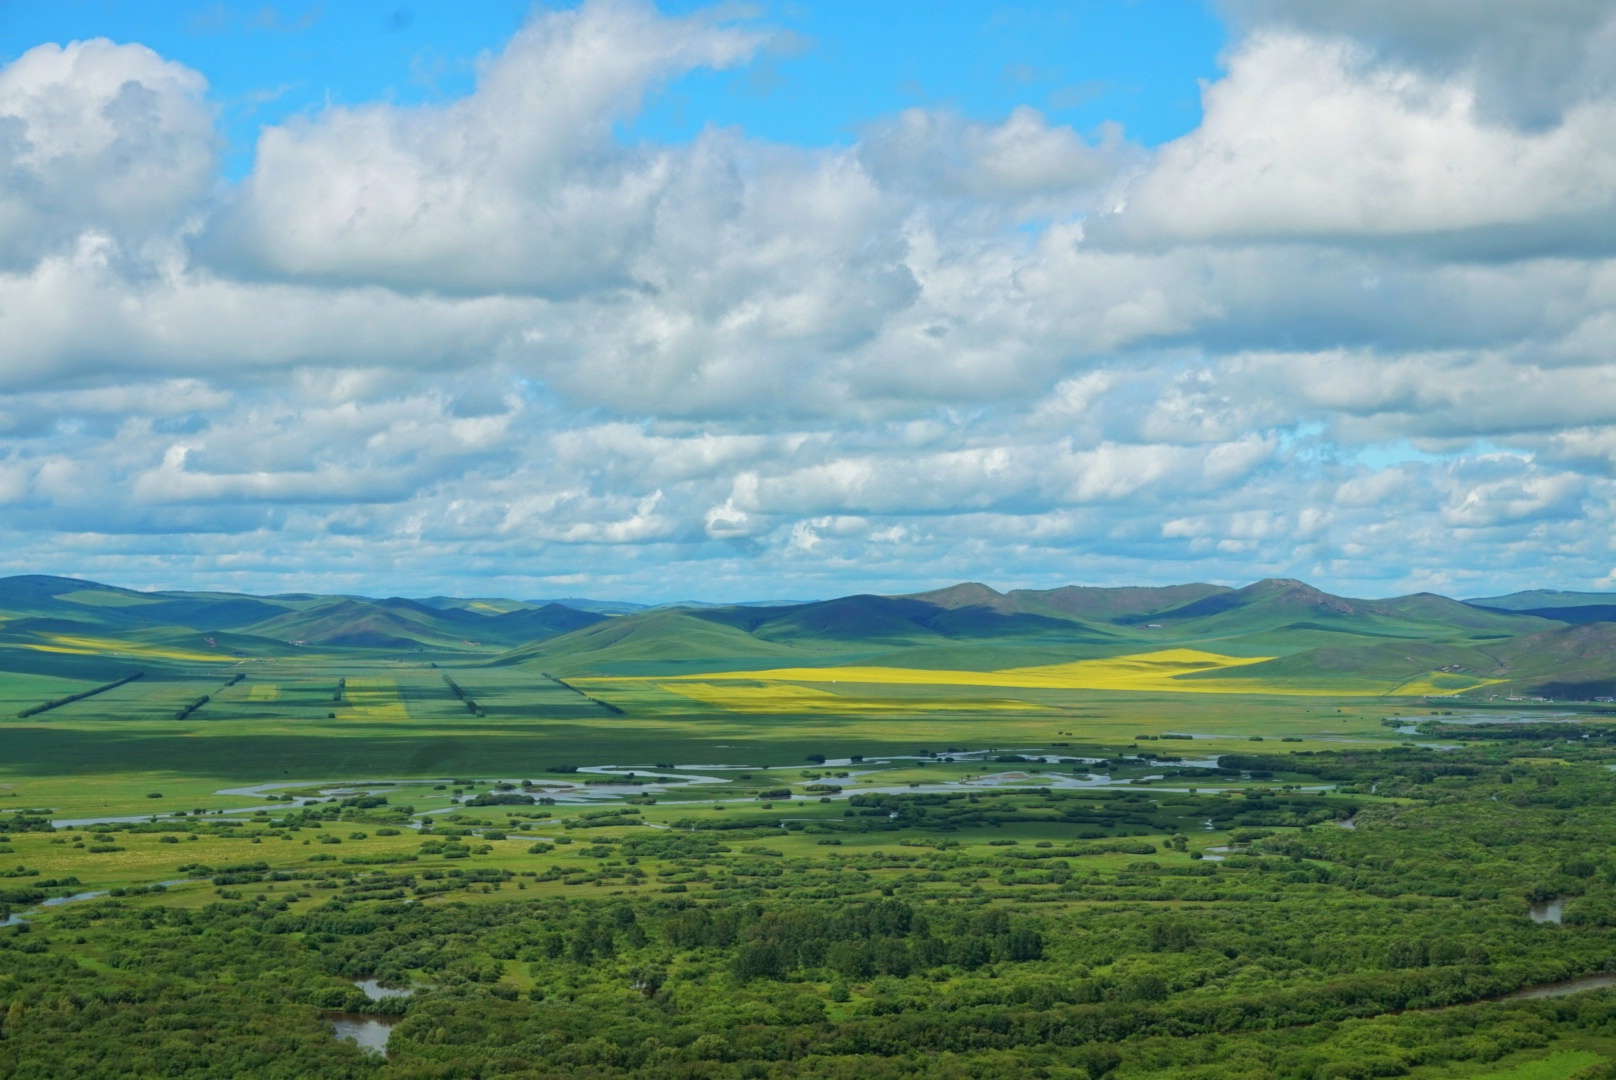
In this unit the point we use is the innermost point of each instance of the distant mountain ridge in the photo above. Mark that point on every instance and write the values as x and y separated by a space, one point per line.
300 619
1536 599
1540 643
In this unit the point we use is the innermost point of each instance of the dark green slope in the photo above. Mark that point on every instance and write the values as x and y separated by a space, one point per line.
532 624
509 628
106 606
1364 665
1439 611
595 607
44 597
966 594
1578 615
1563 662
854 618
1539 599
1133 604
658 642
223 614
1576 662
980 624
1345 643
884 619
359 624
1269 600
72 605
39 591
1293 614
1090 604
849 618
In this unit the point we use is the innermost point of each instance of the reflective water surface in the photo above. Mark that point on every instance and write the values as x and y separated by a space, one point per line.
1546 911
368 1031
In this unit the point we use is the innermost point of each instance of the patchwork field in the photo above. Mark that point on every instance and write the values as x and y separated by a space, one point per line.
1169 670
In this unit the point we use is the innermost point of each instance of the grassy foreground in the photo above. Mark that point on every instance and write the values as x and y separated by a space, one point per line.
613 876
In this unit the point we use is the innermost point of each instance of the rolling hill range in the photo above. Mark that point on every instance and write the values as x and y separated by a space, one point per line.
41 617
1276 636
1273 636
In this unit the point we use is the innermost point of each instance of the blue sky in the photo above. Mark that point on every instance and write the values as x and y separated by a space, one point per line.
667 300
836 67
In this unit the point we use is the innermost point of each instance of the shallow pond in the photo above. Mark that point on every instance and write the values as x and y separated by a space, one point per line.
368 1031
1546 911
375 991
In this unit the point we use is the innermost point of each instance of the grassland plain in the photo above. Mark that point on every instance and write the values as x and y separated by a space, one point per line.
806 847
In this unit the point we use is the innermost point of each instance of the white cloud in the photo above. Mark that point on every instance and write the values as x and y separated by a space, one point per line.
1528 496
517 187
1314 138
1530 60
98 137
172 482
493 337
1023 158
79 316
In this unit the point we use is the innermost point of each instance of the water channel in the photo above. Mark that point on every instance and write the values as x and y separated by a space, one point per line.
655 780
1563 988
57 901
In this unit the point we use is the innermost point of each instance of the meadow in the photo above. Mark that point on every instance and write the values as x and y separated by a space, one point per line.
1119 861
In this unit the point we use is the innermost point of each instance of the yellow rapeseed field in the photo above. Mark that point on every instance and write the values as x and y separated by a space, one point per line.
374 699
785 697
94 646
1142 671
1152 672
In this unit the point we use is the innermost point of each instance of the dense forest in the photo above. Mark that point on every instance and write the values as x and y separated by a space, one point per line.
1304 950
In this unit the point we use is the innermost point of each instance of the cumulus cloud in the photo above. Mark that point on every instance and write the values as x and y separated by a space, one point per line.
517 187
1529 61
1522 494
1022 160
81 315
98 137
1310 137
493 337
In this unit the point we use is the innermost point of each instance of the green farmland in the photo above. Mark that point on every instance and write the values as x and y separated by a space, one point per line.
1261 837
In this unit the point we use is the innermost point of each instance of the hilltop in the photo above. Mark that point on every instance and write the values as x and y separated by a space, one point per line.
1535 644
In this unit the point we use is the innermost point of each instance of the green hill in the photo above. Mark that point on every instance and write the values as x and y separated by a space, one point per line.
658 642
1577 662
36 611
1537 599
1070 601
1531 644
